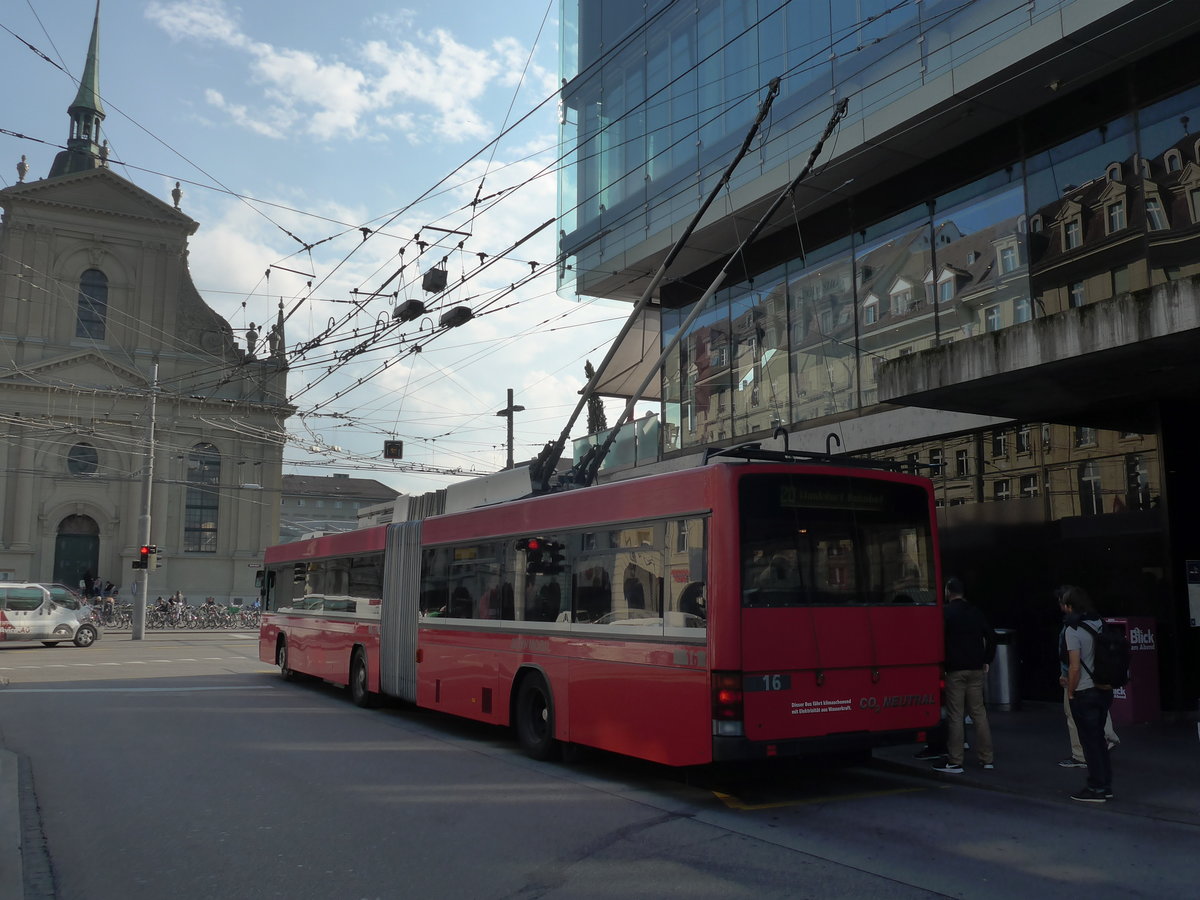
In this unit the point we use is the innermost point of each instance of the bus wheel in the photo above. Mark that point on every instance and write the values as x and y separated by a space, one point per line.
535 719
281 660
358 679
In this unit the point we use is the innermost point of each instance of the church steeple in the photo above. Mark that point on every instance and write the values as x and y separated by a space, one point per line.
84 148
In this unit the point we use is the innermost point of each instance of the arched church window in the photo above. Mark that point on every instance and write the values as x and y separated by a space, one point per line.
92 310
202 503
83 460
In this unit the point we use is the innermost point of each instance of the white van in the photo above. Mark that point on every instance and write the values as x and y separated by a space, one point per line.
28 613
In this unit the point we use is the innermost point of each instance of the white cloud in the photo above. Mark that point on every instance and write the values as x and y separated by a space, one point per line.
429 86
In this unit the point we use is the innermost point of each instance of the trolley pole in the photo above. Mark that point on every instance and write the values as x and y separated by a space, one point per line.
143 580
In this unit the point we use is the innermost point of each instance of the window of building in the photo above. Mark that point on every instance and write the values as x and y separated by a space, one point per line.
913 463
1156 217
871 313
1022 310
946 291
962 463
1073 234
936 460
1029 485
999 443
82 460
1194 199
1077 295
1174 160
1115 216
1091 499
1113 173
1001 489
1120 280
201 506
992 318
958 501
92 308
1008 259
1035 225
1025 440
1084 436
901 300
1046 431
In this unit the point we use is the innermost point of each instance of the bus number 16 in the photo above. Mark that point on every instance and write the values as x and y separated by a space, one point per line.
775 682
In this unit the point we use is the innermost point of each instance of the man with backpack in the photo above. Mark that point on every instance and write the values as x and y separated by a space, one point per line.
1075 760
1090 696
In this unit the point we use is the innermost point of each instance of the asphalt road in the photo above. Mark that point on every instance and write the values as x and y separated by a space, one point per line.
181 766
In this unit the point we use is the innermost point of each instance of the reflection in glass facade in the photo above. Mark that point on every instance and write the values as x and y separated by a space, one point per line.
1099 215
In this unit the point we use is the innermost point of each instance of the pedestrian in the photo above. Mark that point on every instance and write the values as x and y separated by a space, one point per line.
1090 702
1071 615
970 648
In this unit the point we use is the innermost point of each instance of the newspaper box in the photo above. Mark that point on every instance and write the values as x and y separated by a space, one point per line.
1138 701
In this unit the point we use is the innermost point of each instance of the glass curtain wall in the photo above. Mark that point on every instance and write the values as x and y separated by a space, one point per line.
823 364
759 320
1169 171
1110 211
1086 212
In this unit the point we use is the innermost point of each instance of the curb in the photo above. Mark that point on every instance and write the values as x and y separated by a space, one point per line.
12 879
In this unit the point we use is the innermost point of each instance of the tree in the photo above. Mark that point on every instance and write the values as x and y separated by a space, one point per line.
597 421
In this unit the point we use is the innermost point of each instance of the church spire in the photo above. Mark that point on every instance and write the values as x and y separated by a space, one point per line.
84 149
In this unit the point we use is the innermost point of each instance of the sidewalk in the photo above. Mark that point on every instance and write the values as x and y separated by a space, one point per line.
1156 769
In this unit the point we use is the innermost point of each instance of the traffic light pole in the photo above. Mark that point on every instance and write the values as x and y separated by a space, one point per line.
142 582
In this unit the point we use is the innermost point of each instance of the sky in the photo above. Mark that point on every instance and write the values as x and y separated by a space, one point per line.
293 125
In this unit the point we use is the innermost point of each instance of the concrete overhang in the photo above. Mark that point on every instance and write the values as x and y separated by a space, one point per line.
1106 365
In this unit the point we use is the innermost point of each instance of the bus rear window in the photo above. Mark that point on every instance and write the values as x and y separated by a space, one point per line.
817 540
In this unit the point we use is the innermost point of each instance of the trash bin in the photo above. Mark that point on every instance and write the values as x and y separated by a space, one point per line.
1003 683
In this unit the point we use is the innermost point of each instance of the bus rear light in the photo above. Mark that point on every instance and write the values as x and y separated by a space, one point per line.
727 704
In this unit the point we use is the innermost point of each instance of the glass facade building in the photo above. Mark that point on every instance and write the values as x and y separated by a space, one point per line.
973 187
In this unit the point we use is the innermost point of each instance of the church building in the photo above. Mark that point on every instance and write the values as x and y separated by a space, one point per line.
115 374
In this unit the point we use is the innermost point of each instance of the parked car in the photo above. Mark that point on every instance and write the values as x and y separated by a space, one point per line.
28 612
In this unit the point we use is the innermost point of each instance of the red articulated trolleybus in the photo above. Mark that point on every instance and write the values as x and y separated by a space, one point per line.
738 610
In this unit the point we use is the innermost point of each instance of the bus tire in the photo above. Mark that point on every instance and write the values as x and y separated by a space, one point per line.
359 692
534 719
281 660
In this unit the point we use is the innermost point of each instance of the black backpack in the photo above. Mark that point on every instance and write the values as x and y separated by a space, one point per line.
1110 655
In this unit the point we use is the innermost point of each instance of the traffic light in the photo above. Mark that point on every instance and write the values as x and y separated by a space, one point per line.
393 449
533 554
146 557
553 564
